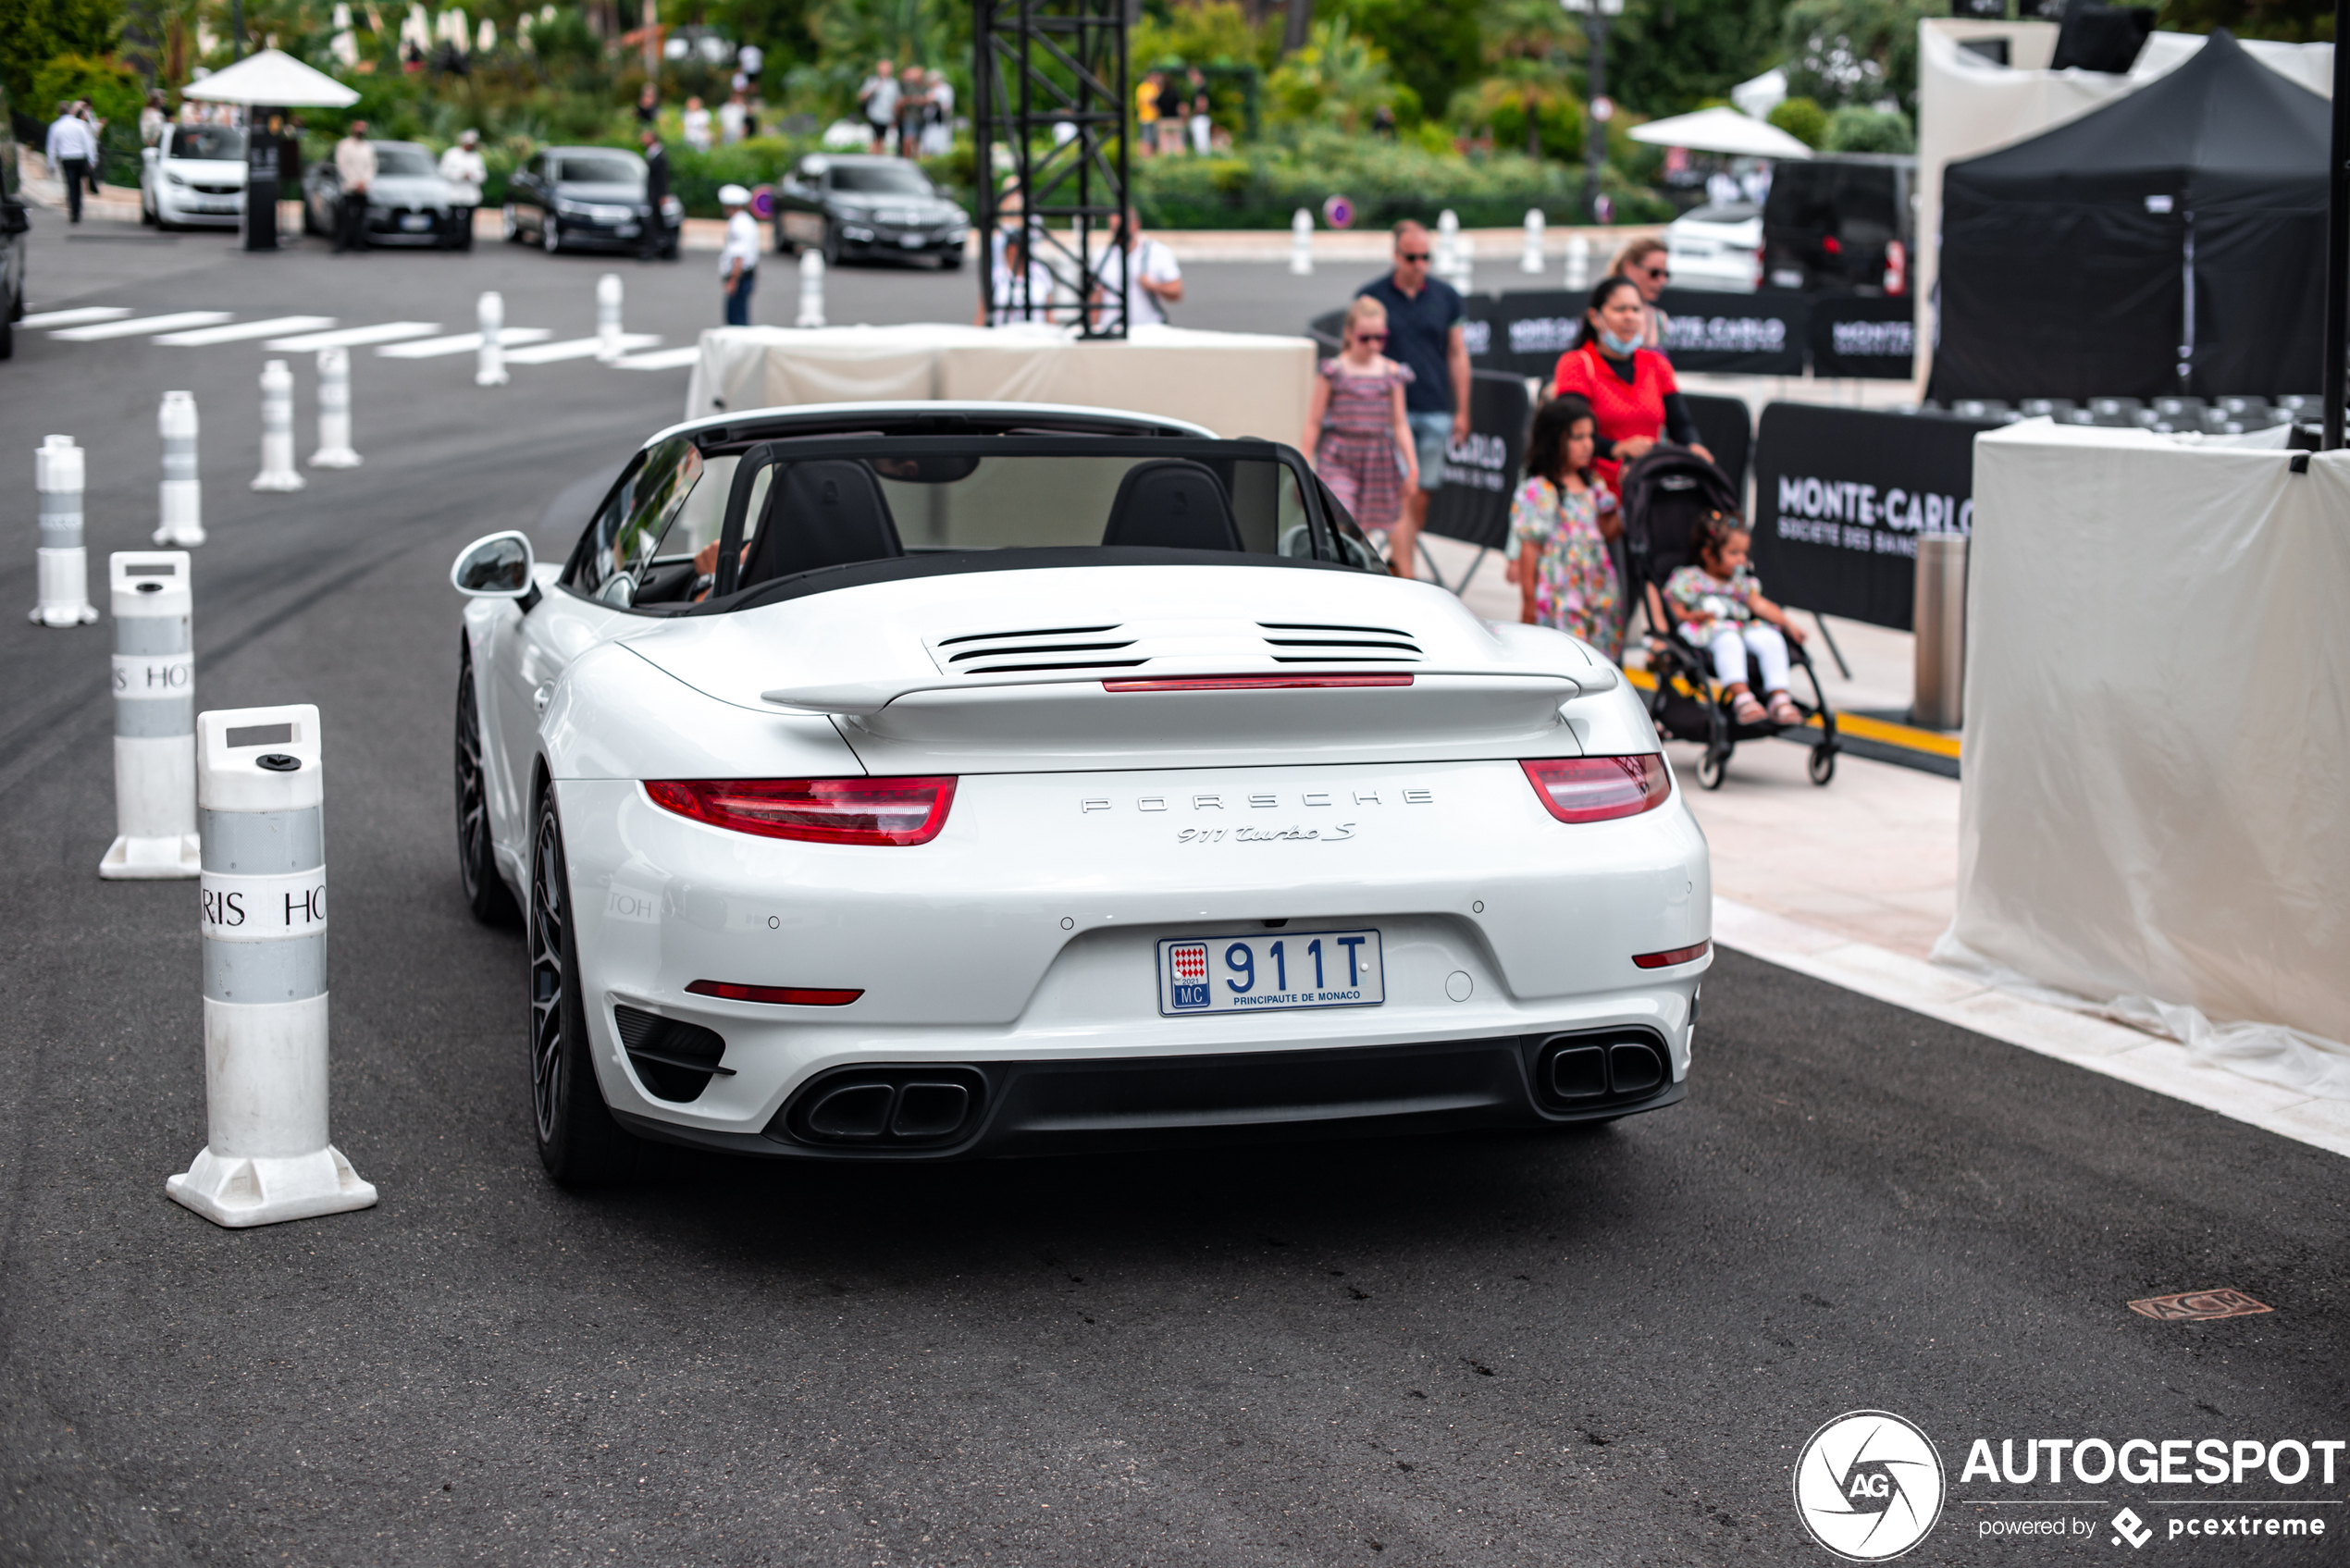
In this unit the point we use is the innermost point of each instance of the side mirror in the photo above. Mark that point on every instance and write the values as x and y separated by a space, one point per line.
498 566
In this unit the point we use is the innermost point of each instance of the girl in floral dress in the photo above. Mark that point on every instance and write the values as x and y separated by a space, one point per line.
1561 521
1354 426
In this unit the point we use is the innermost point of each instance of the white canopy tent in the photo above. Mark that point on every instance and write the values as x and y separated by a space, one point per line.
1721 130
273 78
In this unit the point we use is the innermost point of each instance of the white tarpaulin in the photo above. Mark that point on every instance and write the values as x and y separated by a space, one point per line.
1233 383
1968 104
2152 816
273 80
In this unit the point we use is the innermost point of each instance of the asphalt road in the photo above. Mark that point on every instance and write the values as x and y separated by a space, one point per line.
1600 1348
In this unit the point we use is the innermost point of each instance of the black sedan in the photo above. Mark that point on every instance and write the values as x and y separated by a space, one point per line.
584 198
408 203
866 207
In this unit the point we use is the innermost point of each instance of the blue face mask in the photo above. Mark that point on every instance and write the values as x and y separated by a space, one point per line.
1618 346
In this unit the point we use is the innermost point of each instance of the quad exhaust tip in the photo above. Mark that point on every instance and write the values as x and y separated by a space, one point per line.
904 1108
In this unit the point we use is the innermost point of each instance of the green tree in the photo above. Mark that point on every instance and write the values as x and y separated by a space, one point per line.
1803 120
1434 46
34 32
1338 79
1855 129
1667 56
1854 50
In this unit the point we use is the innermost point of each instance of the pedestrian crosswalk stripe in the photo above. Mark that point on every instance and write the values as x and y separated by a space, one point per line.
355 336
463 343
664 359
73 317
238 331
139 326
578 348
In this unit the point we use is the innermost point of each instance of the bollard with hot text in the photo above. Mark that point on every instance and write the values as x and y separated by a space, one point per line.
1300 245
1531 262
490 369
607 297
812 289
154 719
1578 263
62 566
334 412
260 810
183 495
1940 619
277 471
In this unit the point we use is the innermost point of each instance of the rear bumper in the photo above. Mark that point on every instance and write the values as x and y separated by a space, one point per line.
1033 1107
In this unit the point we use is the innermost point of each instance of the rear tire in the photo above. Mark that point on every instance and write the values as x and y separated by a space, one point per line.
508 229
486 895
551 234
579 1142
831 244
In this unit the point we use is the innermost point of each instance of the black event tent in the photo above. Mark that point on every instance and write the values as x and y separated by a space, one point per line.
2192 212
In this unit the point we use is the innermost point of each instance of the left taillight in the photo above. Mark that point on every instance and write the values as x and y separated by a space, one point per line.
1595 789
906 810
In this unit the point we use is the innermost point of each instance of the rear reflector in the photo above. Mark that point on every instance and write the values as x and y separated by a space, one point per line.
1256 683
783 996
1594 789
814 810
1661 960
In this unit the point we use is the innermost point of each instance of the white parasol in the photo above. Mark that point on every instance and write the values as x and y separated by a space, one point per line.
274 79
1721 130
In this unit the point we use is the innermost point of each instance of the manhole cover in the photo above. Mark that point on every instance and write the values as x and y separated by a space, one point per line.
2197 1306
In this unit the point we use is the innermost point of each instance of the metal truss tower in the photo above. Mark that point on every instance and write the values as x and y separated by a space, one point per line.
1050 92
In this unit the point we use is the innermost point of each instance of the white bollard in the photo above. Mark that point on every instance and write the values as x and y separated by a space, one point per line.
277 430
1579 261
183 494
1464 262
1300 245
154 719
607 297
334 412
490 369
812 289
260 812
1446 261
1531 262
63 577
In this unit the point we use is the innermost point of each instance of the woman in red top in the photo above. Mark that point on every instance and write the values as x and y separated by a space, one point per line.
1630 388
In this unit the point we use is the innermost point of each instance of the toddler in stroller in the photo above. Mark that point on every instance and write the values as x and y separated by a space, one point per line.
1713 637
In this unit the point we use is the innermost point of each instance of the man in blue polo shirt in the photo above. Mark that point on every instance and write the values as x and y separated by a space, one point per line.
1424 318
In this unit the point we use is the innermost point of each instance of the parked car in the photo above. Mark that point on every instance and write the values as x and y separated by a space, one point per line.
15 234
808 819
1717 247
578 198
1841 225
865 207
195 177
408 203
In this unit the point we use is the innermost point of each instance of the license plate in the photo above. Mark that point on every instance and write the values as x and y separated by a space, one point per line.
415 222
1270 971
626 230
912 241
1787 280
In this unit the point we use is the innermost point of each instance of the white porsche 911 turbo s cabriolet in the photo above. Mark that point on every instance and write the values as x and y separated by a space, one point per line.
926 781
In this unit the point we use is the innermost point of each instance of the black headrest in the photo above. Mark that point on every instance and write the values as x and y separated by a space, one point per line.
828 513
1175 504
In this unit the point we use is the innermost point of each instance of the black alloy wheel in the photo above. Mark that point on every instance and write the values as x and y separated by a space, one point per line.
486 895
578 1141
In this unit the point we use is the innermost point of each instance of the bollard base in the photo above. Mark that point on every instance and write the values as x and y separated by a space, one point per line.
64 615
486 379
289 480
335 457
179 538
153 859
236 1193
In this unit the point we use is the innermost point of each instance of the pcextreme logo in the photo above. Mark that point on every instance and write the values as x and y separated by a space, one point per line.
1868 1486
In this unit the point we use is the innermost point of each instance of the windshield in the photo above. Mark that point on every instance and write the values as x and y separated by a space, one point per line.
401 157
838 502
223 143
605 170
880 180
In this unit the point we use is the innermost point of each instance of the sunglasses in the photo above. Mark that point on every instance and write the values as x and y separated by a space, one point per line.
1370 337
1656 272
1412 255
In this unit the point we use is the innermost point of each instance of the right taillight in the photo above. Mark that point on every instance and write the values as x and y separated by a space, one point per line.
1595 789
899 811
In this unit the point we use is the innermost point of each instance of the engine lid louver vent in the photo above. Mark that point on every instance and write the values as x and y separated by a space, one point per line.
1044 648
1123 647
1304 642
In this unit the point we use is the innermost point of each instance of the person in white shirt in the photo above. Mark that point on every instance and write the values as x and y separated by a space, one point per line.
1007 301
878 97
356 164
938 131
1154 278
463 167
738 260
697 126
73 153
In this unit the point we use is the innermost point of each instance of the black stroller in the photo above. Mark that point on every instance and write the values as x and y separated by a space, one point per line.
1669 495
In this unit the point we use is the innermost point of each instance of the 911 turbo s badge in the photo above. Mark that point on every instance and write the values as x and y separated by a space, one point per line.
1336 833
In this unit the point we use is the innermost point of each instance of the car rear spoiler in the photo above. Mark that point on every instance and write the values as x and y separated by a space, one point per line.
862 699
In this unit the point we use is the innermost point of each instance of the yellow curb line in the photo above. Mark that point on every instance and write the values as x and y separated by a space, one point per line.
1883 731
